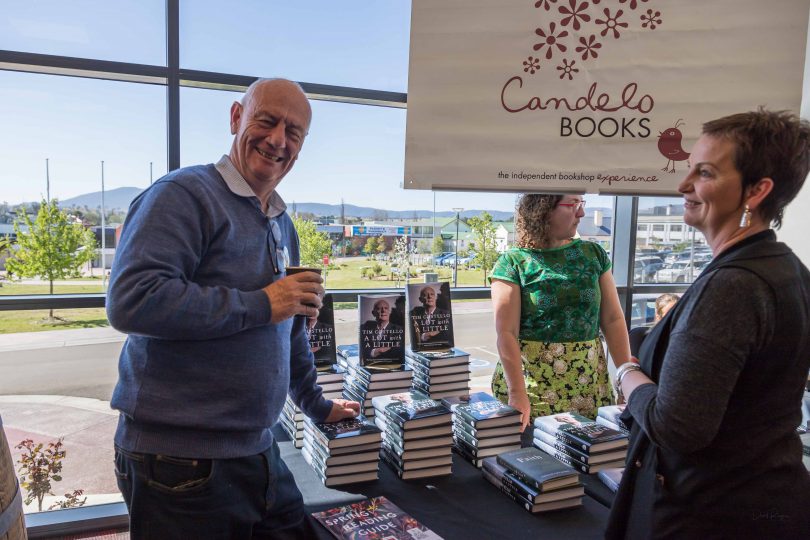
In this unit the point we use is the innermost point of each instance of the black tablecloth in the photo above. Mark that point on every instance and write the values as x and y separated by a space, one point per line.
462 506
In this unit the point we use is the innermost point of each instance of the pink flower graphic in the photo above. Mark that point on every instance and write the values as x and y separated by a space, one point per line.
651 19
544 3
633 3
531 65
551 40
611 23
588 47
574 14
567 69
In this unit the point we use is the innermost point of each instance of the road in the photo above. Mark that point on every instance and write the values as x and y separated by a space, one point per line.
90 369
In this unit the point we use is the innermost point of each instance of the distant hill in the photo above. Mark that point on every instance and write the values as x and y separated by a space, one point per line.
121 198
113 198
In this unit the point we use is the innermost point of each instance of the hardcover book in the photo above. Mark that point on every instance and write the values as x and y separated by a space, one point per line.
411 410
347 432
430 317
436 359
485 452
485 414
579 455
570 502
348 351
321 334
531 495
465 399
580 432
537 469
382 333
567 459
373 518
475 442
611 416
427 472
611 477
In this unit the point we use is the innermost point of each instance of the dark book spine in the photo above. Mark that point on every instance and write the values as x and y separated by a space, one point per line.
567 459
509 492
571 440
466 437
509 481
466 454
522 476
570 451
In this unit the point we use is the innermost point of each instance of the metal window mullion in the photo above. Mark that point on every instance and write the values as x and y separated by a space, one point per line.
173 83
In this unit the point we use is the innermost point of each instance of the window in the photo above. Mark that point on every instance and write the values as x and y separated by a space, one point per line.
676 228
123 31
353 43
57 149
658 227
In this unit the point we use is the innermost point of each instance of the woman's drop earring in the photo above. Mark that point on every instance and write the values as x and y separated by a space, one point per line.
745 220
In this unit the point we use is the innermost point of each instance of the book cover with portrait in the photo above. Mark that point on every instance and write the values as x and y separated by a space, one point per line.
430 318
382 332
321 334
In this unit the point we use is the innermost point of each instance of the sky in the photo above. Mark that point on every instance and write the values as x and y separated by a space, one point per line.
353 152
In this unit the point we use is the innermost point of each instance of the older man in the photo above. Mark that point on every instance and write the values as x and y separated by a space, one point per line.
381 338
216 337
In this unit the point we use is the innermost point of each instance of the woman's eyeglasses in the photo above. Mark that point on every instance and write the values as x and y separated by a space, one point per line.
278 252
577 206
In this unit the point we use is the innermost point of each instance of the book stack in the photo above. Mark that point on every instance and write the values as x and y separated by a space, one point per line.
534 480
483 426
362 383
440 374
609 416
321 337
417 438
330 379
345 452
344 352
439 370
580 442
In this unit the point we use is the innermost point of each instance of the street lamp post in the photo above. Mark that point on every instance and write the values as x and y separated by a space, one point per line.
458 212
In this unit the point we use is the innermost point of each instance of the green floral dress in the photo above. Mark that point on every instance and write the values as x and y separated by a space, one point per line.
563 359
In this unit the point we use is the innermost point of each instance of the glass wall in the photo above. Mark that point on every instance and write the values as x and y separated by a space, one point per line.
667 250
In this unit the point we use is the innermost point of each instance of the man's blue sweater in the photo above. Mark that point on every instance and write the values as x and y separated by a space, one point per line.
204 373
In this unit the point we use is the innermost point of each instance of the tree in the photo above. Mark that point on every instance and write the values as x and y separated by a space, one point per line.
371 245
438 245
54 246
486 252
38 467
314 244
381 245
402 258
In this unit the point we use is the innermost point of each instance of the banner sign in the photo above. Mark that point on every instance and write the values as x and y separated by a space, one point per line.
598 96
380 231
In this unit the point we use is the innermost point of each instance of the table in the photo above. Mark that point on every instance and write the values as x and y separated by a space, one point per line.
462 506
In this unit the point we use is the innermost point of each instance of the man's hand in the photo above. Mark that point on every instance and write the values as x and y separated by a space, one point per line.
375 353
299 294
342 409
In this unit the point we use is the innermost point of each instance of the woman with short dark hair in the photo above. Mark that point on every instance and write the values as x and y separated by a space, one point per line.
715 399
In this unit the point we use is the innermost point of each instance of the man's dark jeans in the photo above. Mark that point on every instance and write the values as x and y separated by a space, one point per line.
182 498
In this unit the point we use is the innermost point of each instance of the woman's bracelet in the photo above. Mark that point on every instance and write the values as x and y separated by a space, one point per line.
623 370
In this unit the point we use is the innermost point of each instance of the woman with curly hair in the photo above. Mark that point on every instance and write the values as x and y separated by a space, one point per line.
551 295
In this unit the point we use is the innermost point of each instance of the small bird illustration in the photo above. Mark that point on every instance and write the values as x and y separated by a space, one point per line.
669 144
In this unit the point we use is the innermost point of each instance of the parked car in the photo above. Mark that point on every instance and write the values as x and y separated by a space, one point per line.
681 272
642 311
439 259
645 268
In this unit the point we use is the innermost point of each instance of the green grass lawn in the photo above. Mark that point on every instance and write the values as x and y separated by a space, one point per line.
346 275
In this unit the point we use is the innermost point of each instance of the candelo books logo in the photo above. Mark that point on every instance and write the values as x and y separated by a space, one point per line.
569 36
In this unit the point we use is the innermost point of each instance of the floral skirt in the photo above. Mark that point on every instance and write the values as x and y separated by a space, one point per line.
561 377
